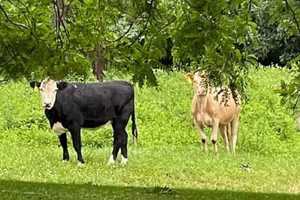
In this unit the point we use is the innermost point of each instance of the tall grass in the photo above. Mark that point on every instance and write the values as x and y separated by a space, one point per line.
163 115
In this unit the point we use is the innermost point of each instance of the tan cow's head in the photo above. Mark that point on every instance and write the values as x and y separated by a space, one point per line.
48 89
200 82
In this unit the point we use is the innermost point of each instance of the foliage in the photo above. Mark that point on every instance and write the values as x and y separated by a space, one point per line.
289 89
140 36
279 23
278 31
30 41
210 34
134 35
163 115
268 125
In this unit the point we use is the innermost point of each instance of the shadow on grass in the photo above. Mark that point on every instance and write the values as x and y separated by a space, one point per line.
15 190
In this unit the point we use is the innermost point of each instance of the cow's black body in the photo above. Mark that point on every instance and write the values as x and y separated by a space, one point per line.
91 105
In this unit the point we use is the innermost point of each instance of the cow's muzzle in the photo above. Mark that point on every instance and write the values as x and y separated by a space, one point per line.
201 94
47 105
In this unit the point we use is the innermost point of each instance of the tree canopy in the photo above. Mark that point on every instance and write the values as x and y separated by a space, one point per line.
62 37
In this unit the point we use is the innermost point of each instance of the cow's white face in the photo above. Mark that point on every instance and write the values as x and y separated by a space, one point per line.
200 83
48 90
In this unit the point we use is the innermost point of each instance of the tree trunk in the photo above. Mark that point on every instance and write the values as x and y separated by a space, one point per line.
60 24
99 62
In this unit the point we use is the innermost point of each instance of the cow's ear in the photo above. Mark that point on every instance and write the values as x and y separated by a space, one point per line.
189 77
61 85
35 84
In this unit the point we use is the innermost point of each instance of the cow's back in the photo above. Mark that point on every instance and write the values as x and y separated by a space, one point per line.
214 107
95 103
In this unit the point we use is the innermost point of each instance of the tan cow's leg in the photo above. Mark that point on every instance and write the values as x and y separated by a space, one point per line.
202 136
224 131
229 135
214 135
234 133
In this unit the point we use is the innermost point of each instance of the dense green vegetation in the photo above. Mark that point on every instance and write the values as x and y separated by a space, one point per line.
268 126
63 37
168 161
152 43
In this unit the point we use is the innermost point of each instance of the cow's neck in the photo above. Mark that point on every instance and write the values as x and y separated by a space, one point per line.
56 106
202 102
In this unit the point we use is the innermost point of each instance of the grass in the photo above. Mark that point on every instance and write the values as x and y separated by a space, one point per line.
23 190
15 190
169 167
167 163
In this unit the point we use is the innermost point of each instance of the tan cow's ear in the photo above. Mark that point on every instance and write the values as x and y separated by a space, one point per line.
189 77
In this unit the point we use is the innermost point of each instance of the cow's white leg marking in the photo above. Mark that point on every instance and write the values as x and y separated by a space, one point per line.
111 160
58 128
124 160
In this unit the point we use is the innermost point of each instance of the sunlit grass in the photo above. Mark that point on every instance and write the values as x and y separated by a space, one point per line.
168 162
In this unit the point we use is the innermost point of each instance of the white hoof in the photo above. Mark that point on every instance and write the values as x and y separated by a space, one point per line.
124 161
111 160
79 164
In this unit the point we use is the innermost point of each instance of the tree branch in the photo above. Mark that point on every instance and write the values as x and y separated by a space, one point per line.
20 26
293 13
145 25
126 32
59 11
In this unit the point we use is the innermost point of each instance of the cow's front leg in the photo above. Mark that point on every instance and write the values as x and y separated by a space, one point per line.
63 143
202 135
214 135
76 139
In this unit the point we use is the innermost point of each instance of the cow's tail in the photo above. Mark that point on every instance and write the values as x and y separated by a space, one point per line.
134 127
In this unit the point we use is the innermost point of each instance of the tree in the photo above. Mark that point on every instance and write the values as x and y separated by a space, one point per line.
287 14
60 37
213 35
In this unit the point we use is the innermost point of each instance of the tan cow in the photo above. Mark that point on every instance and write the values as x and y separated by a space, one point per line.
211 109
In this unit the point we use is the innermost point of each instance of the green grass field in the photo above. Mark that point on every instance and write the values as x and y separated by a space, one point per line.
168 162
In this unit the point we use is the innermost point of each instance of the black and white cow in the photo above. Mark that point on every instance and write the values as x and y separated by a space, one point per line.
72 106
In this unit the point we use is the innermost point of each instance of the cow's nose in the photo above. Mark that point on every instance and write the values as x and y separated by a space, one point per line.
47 105
201 93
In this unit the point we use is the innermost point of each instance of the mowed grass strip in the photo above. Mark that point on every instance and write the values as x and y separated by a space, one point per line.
170 166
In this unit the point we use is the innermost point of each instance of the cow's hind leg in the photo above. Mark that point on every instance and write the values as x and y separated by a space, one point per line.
120 141
234 133
124 153
64 145
115 150
223 130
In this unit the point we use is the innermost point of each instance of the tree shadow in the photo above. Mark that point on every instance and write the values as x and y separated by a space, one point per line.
15 190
